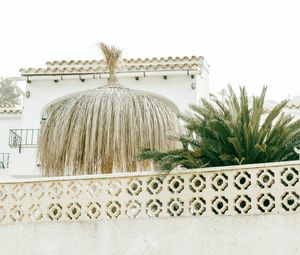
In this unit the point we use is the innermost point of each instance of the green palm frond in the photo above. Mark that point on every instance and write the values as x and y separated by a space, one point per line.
234 131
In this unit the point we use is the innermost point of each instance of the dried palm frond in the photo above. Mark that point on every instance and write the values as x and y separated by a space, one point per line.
111 55
102 130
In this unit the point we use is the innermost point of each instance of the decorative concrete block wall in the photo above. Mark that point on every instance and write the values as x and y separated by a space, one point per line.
251 209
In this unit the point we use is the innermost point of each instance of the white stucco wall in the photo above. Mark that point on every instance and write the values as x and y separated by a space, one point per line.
7 122
275 234
202 85
20 164
24 164
177 88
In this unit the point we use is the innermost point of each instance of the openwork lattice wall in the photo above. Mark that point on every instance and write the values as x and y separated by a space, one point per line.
248 190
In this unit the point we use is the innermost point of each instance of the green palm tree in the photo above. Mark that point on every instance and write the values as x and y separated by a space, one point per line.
232 132
8 93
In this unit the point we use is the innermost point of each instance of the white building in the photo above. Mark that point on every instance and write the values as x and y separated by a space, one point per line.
10 118
293 107
176 81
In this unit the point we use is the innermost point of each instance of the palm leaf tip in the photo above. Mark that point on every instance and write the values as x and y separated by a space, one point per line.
111 57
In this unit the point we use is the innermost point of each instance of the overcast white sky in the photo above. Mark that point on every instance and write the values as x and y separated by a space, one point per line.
249 43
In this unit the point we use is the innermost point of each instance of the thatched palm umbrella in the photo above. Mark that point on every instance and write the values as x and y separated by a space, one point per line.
102 130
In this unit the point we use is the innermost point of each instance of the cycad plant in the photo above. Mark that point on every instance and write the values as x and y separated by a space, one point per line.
231 132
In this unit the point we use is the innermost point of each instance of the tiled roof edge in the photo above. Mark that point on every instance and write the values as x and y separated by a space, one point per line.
10 109
125 61
293 106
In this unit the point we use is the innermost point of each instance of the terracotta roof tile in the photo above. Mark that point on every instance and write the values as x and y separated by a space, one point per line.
294 103
126 65
293 106
10 109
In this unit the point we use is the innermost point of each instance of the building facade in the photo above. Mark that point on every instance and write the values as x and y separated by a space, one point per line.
175 81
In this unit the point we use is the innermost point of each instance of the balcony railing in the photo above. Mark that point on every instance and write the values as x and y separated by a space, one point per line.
239 190
4 160
19 138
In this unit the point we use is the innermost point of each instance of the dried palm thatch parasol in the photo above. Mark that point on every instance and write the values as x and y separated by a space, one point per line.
102 130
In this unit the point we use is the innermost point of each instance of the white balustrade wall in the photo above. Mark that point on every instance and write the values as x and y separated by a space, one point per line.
211 191
183 195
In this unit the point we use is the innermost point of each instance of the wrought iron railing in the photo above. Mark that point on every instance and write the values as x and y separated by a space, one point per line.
238 190
19 138
4 160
